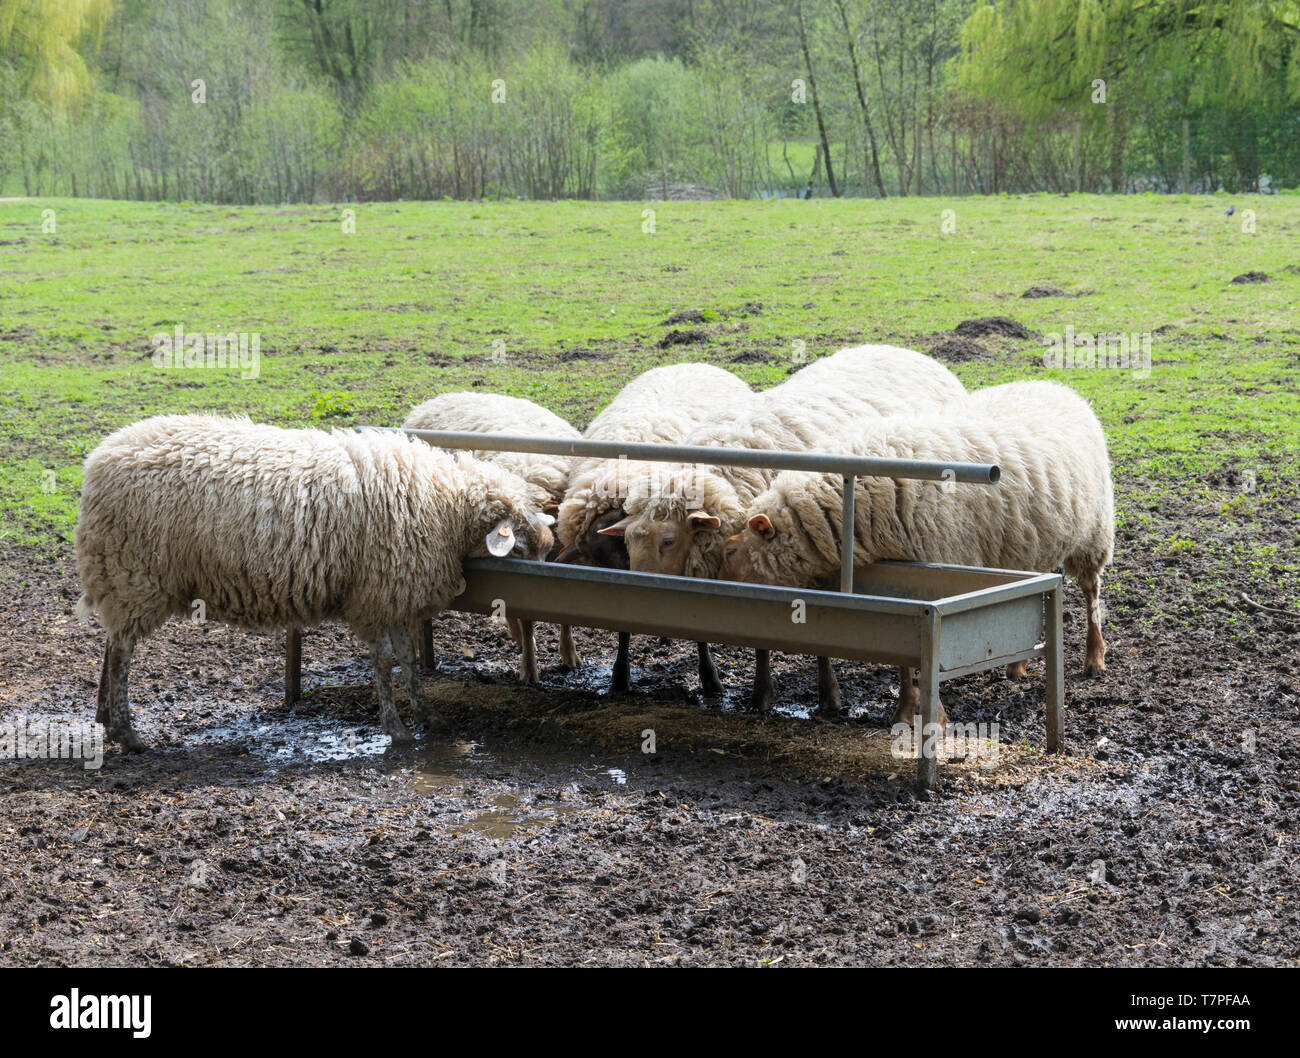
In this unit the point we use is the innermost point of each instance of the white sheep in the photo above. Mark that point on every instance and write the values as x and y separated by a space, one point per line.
678 522
475 412
1053 506
661 406
271 528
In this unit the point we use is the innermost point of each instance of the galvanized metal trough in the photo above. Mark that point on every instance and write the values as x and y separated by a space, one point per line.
943 620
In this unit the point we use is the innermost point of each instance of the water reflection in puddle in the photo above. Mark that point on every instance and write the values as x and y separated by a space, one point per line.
509 788
442 768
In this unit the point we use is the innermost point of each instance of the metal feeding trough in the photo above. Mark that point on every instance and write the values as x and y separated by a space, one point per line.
945 621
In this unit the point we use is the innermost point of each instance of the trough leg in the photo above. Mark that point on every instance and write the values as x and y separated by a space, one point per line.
828 688
119 705
292 665
1054 655
710 683
101 710
622 677
381 658
426 645
927 761
568 650
762 697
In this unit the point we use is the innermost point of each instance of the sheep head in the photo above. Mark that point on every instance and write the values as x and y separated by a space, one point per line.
662 545
593 547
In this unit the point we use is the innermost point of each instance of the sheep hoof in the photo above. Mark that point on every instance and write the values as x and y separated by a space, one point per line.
1094 669
128 739
571 660
399 733
711 688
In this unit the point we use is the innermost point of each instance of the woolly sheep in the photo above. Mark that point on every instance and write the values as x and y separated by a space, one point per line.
661 406
473 412
679 523
275 528
1053 506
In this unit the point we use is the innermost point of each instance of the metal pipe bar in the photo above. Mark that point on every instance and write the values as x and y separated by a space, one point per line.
824 462
846 535
982 597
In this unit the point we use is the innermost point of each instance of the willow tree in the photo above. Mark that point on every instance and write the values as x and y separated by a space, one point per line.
1056 58
40 45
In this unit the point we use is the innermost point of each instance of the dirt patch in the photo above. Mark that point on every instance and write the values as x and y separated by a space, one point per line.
993 325
683 337
687 316
567 356
1055 292
544 833
958 350
751 356
1252 277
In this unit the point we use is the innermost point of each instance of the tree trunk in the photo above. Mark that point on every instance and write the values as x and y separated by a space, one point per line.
817 107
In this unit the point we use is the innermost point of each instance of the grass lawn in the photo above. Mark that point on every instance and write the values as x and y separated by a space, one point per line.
564 302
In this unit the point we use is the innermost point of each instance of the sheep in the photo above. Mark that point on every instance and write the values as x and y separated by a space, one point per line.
678 524
274 528
1053 506
497 413
661 406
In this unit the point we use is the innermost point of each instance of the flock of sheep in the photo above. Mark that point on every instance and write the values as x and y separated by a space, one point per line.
280 528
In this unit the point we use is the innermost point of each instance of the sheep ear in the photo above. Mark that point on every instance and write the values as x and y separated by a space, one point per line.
697 520
762 525
617 529
501 539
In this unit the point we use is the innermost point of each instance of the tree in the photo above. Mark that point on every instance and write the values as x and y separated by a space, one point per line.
41 44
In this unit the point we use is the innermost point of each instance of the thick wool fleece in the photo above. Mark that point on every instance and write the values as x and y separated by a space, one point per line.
1053 506
272 527
472 412
828 406
661 406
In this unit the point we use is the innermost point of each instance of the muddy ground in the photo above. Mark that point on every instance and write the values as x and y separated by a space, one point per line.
541 834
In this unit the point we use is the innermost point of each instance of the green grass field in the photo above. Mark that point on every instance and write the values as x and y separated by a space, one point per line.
564 302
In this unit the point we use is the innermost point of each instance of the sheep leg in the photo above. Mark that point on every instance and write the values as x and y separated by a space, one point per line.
710 683
528 646
568 650
828 688
622 677
426 646
909 700
514 627
381 657
119 705
1095 662
1018 670
101 711
762 697
404 647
